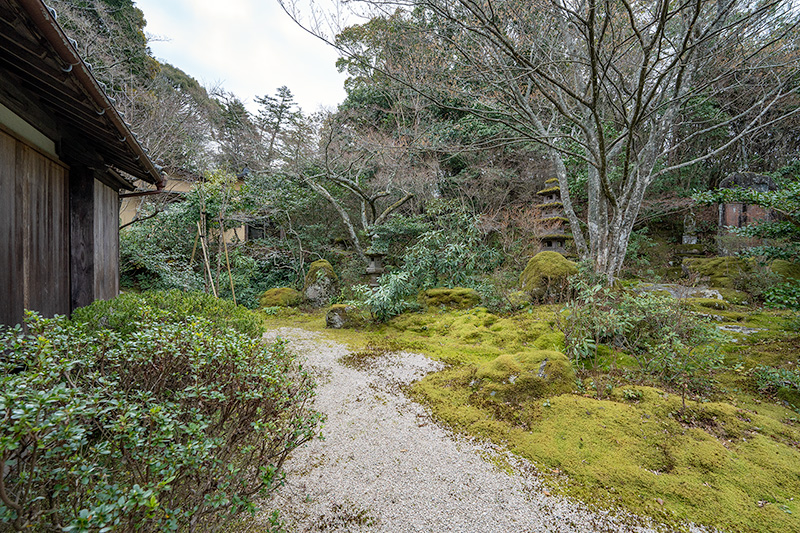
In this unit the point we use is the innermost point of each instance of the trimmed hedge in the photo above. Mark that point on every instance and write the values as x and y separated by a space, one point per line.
168 421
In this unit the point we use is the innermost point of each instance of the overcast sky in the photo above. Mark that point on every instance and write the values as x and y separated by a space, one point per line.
249 47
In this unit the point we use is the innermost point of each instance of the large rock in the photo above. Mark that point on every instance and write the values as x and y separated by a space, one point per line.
344 316
321 283
547 273
457 298
789 271
280 297
716 271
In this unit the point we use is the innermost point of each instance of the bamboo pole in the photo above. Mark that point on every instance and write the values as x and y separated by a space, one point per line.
227 258
207 262
194 248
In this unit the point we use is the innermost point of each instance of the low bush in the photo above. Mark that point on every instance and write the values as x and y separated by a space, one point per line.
171 423
783 295
664 337
125 313
770 380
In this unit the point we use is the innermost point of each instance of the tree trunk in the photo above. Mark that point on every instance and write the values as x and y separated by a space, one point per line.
348 224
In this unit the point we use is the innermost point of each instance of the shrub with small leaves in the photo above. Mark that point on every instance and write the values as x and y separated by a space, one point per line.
770 379
175 424
125 313
783 295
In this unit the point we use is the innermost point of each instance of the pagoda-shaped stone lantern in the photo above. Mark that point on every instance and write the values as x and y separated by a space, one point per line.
555 236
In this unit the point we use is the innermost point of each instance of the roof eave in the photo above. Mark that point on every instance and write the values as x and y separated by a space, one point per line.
45 22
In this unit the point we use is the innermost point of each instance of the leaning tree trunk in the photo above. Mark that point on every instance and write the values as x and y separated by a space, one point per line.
348 224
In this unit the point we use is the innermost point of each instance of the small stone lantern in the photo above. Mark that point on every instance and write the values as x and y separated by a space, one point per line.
375 268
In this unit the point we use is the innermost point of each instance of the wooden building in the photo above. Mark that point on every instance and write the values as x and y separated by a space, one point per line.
739 215
177 183
63 147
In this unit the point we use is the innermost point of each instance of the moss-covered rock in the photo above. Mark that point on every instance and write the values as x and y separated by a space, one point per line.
280 297
546 273
518 298
455 298
344 316
525 375
717 271
707 303
733 296
321 283
786 269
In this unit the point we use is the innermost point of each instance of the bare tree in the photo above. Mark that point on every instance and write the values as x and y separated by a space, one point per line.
608 88
367 169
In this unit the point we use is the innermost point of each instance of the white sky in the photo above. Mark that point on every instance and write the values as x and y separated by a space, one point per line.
249 47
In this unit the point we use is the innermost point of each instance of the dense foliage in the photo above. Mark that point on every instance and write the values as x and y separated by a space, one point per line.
147 419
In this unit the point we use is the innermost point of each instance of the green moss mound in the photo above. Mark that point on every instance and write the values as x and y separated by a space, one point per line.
524 376
717 271
455 298
729 461
475 335
547 272
705 304
735 297
786 269
280 297
317 270
711 463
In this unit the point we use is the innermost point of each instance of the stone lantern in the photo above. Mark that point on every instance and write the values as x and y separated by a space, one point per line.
375 268
552 213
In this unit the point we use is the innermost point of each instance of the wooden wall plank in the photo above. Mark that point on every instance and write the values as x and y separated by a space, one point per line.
43 213
106 242
11 286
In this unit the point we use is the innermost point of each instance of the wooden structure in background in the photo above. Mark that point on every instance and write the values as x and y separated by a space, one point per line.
177 183
738 215
62 147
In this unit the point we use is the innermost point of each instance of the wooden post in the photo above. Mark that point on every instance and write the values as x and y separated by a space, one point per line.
81 201
194 248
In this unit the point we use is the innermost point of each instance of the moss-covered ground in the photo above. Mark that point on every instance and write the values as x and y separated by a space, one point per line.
613 437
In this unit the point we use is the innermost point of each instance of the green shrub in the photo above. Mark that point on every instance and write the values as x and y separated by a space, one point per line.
756 281
452 254
770 379
125 313
390 298
785 295
169 423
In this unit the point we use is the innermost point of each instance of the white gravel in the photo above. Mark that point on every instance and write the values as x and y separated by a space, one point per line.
385 466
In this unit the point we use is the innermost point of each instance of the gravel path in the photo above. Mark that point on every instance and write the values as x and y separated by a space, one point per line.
385 466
